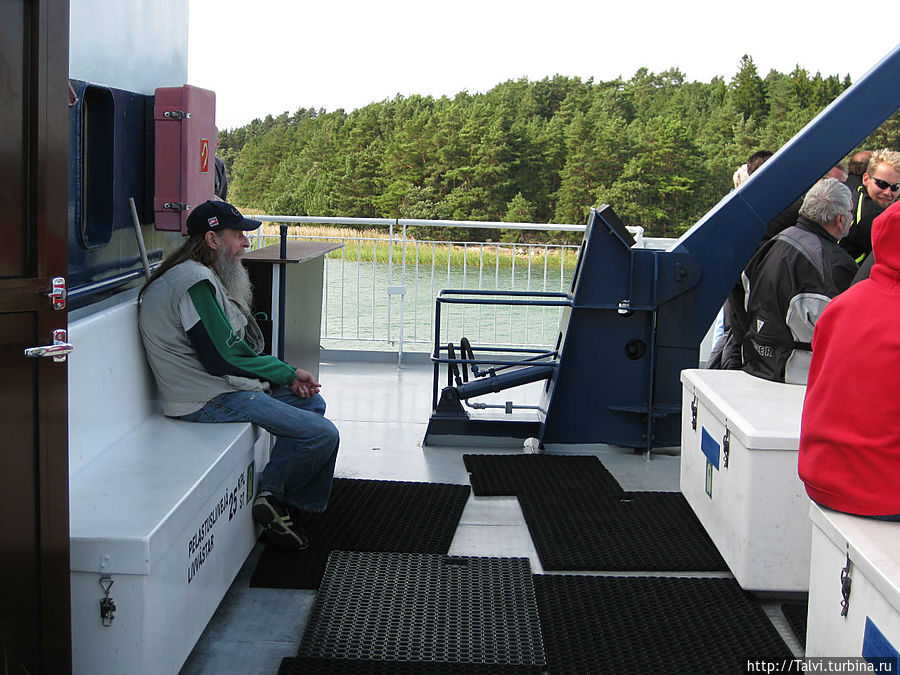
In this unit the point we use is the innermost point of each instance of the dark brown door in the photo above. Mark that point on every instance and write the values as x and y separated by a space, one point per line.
34 529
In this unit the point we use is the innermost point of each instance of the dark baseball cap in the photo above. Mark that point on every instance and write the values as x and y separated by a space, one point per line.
213 216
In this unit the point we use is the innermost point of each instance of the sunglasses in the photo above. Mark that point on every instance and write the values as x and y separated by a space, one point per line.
884 185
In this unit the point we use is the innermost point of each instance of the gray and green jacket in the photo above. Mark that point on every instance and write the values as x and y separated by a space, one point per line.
199 342
787 284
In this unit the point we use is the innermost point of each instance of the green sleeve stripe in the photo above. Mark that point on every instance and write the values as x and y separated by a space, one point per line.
236 356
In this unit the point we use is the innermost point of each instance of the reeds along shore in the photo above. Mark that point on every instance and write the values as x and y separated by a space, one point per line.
374 245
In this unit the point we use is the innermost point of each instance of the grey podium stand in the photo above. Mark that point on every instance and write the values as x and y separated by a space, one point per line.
303 267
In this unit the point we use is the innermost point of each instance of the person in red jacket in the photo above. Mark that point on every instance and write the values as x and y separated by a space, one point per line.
850 431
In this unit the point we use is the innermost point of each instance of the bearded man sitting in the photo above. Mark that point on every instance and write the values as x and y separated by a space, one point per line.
206 353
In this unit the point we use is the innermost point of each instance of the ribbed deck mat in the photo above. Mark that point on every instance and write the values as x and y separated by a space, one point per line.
402 612
638 531
306 666
795 613
581 519
367 515
497 475
642 625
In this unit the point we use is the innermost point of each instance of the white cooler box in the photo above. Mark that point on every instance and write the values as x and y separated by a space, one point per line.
169 569
739 440
871 627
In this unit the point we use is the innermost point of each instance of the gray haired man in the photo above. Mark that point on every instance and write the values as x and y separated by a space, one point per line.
791 279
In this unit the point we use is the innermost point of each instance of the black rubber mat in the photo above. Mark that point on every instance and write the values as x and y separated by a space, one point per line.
322 666
637 531
367 515
497 475
428 613
581 519
594 624
795 613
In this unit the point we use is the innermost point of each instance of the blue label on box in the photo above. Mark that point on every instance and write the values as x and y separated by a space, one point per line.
710 448
877 649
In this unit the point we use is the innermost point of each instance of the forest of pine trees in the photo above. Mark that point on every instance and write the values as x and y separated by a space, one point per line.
659 149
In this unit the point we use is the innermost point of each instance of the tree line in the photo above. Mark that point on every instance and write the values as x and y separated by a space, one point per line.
659 149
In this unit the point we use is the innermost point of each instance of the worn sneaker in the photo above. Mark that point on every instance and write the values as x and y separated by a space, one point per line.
279 529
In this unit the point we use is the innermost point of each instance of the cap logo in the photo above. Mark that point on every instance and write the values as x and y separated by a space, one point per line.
213 221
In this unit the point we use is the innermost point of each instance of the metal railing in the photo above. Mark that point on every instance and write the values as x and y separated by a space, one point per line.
380 292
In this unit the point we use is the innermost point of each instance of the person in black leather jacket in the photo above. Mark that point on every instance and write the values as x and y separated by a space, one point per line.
787 284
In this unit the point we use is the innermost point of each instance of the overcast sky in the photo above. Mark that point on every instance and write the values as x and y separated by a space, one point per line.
269 56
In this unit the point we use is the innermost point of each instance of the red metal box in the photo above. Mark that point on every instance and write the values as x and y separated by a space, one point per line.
184 120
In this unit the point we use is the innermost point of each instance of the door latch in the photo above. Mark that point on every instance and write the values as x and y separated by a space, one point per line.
59 350
57 293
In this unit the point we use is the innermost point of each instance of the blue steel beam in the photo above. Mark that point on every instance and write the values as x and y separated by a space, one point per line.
726 237
638 315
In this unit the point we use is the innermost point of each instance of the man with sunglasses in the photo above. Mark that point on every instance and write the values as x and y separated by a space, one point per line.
880 186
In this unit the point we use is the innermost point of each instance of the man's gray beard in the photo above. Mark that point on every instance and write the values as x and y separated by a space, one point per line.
234 278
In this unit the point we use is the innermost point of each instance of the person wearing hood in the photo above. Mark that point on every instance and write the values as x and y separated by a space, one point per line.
849 437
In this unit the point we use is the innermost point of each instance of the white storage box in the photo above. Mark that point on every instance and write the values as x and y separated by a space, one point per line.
871 627
739 440
170 539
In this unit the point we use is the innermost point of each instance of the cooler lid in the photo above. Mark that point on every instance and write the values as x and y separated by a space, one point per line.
130 504
762 415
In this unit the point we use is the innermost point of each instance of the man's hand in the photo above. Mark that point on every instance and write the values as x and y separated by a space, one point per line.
305 385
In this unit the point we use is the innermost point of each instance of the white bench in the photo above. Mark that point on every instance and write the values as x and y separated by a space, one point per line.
158 506
871 627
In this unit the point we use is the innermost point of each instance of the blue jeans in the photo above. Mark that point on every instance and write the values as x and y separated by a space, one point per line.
301 467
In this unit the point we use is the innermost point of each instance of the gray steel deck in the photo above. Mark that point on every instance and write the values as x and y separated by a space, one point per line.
382 411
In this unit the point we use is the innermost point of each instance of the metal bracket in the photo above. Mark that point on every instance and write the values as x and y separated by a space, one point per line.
107 605
694 414
726 443
846 581
177 115
57 293
177 206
